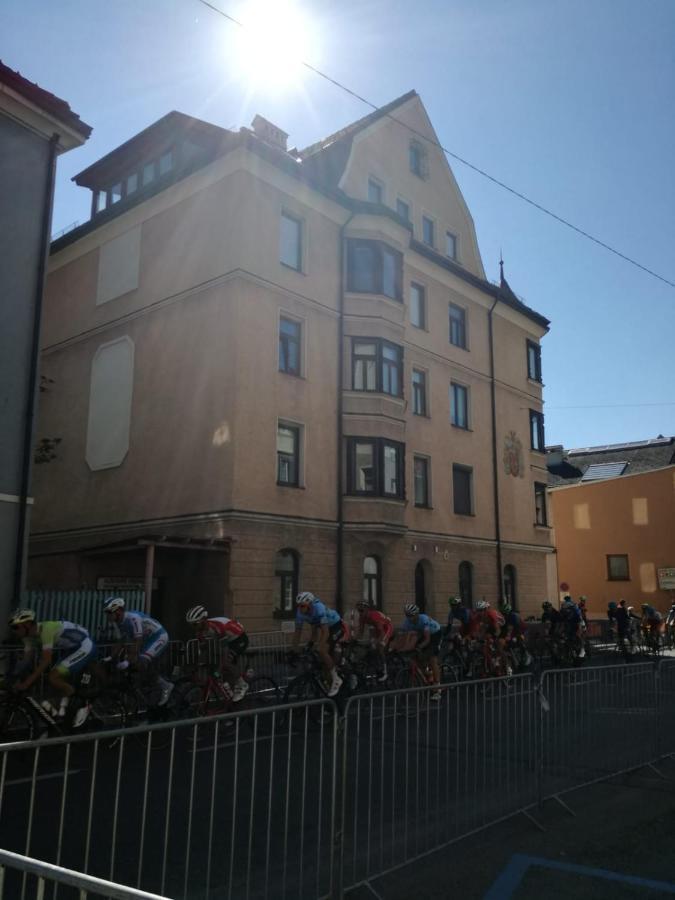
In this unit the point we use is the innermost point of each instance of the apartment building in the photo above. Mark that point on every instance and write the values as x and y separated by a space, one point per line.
279 369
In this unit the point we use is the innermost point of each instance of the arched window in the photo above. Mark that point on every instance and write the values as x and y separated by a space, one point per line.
466 583
372 581
286 567
510 592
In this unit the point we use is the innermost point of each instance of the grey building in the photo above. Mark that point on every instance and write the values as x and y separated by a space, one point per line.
35 127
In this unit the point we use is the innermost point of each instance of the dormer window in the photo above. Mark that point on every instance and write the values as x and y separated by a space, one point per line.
418 159
101 201
132 183
165 163
148 173
116 193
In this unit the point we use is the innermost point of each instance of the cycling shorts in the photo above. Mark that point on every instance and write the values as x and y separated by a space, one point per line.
154 646
77 660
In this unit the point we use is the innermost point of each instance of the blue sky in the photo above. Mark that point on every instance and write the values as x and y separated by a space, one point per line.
570 103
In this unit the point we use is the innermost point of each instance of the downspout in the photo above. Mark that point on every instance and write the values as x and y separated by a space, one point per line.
495 470
339 556
34 366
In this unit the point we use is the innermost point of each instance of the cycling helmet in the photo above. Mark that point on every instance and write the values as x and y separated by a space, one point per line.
362 604
645 605
482 604
196 615
611 604
568 602
113 603
630 609
411 609
455 601
21 617
507 608
546 604
304 597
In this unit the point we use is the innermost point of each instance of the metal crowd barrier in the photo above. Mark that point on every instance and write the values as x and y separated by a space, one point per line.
268 653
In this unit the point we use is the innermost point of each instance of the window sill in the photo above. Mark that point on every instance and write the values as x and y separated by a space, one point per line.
362 495
423 506
619 579
470 515
462 428
292 374
536 381
291 268
285 484
542 525
397 300
421 415
535 450
420 327
459 346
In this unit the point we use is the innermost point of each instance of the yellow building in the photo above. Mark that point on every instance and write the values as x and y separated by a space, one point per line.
279 369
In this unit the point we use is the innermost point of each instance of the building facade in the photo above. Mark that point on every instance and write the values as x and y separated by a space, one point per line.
286 369
35 127
613 511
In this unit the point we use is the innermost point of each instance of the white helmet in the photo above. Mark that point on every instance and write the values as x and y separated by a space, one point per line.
411 609
196 614
113 603
482 604
304 597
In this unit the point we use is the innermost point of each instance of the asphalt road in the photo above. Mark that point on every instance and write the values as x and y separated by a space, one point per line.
245 810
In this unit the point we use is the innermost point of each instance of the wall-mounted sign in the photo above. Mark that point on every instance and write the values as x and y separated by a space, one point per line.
666 579
123 583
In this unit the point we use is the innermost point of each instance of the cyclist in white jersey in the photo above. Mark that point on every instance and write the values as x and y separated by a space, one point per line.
147 640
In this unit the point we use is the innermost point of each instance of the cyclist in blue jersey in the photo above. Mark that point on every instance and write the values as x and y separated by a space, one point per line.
72 646
327 630
147 639
428 634
571 623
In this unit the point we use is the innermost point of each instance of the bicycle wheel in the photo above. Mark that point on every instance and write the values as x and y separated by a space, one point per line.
263 693
452 668
16 723
106 713
302 689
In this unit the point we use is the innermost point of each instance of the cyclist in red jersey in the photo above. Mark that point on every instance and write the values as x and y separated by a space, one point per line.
232 634
383 630
487 625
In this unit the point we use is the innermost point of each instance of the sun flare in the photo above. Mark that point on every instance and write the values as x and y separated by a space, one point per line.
273 43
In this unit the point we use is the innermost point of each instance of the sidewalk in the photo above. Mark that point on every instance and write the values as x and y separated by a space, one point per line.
617 846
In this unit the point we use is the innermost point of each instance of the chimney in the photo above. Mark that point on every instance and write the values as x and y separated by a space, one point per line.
269 133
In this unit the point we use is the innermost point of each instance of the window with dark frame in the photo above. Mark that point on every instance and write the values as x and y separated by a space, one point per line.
288 455
372 581
459 405
375 466
428 231
540 516
403 209
465 574
421 479
132 183
537 440
116 193
617 567
374 268
377 365
533 361
374 191
418 159
418 306
450 245
286 571
290 334
457 326
419 392
148 172
290 242
461 490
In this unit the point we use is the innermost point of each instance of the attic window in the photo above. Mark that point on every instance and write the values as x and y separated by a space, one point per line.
418 160
596 471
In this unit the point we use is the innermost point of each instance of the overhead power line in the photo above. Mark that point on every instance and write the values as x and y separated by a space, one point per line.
465 162
612 405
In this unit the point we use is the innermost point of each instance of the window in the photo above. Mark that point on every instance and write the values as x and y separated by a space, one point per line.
418 159
537 431
286 569
419 392
148 173
510 584
428 231
540 517
418 306
421 479
377 365
533 361
457 326
290 250
374 268
466 583
116 193
288 455
132 183
617 568
461 490
403 209
450 245
289 346
374 191
372 581
165 162
459 405
375 466
101 201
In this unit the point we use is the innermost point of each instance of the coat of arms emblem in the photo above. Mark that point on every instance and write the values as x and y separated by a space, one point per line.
513 455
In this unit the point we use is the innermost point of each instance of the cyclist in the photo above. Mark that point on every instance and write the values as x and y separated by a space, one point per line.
619 618
328 630
582 604
147 637
571 625
486 625
232 634
458 613
550 618
428 638
513 631
76 651
383 631
652 624
670 624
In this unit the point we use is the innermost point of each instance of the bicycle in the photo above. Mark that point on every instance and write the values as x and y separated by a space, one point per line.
310 685
209 694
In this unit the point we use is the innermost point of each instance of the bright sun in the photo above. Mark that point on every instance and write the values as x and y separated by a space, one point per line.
274 41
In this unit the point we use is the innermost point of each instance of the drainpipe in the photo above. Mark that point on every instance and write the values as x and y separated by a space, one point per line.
340 438
46 219
495 470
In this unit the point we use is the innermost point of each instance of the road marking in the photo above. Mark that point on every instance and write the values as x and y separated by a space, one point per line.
28 780
509 880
